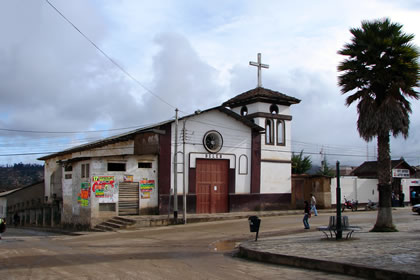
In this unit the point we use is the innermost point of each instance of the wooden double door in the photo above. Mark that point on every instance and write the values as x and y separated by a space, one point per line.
212 180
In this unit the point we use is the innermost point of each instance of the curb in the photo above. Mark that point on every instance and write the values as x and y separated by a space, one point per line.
326 266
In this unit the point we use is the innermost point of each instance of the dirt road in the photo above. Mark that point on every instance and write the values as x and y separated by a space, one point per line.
195 251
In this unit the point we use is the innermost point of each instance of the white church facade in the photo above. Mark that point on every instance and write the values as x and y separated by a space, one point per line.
235 157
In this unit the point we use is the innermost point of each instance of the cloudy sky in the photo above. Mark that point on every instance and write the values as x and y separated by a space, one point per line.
55 86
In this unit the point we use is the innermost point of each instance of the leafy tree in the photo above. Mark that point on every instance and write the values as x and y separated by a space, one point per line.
300 164
380 71
325 170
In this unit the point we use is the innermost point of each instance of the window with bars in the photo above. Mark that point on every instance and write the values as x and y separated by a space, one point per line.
85 170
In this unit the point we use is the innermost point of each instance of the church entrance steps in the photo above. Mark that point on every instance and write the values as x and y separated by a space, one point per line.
114 224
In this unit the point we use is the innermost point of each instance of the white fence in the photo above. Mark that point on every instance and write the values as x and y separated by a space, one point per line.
365 189
355 188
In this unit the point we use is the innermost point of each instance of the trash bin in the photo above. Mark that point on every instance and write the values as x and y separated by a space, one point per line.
254 225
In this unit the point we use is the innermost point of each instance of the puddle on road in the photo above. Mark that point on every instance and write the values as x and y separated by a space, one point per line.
405 259
224 245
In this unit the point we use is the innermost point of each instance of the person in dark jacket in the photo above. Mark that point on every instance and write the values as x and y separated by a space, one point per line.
16 219
307 215
2 226
402 197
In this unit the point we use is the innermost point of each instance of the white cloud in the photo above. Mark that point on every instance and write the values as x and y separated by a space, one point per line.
192 54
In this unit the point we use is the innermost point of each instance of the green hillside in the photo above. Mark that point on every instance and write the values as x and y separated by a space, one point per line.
20 175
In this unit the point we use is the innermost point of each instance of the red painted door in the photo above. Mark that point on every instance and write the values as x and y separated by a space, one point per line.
212 186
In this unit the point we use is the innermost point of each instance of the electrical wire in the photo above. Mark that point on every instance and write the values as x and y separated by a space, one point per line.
109 58
199 143
68 132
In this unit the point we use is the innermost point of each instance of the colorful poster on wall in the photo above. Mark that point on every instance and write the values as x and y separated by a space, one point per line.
128 178
84 194
146 188
105 188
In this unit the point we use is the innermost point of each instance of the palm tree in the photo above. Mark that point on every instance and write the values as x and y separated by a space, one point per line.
380 71
300 164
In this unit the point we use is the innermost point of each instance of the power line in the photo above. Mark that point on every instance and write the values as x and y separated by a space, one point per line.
67 132
108 57
196 143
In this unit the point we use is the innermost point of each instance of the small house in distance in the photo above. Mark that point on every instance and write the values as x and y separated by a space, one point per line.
369 169
403 181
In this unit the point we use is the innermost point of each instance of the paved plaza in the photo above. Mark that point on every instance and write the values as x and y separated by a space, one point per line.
394 255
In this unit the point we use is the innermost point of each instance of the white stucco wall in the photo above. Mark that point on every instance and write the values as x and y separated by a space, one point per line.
276 177
3 207
236 142
50 166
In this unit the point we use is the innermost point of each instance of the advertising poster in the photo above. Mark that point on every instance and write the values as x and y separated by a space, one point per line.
84 194
146 188
105 189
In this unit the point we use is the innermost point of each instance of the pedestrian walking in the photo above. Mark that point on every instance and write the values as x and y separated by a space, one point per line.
402 197
307 215
313 205
2 226
16 219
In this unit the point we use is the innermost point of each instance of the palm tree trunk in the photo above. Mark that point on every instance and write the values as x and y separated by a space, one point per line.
384 218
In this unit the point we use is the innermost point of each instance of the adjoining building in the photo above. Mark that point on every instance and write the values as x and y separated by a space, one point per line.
235 157
27 206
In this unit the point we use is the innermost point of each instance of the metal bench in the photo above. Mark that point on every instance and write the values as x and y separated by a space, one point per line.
332 227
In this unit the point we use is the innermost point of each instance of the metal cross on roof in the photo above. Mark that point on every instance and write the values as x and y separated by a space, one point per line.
259 65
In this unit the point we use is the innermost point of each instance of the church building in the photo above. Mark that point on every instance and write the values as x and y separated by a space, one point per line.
234 157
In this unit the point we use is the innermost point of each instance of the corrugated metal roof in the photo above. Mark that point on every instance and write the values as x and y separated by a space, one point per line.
370 168
8 192
152 128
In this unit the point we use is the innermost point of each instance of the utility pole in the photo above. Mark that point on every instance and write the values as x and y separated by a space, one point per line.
183 175
176 169
367 151
339 234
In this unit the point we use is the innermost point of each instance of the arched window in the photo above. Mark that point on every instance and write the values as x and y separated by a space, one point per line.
274 109
269 135
244 111
243 165
281 132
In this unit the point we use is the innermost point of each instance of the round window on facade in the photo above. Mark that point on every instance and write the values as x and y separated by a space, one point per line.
274 109
213 141
244 111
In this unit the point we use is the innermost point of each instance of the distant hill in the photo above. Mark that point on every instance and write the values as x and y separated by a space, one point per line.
20 175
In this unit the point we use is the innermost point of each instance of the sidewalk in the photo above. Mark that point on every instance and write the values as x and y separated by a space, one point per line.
142 221
370 255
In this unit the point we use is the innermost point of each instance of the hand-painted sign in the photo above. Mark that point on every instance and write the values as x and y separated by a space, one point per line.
84 194
128 178
104 188
146 187
400 173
